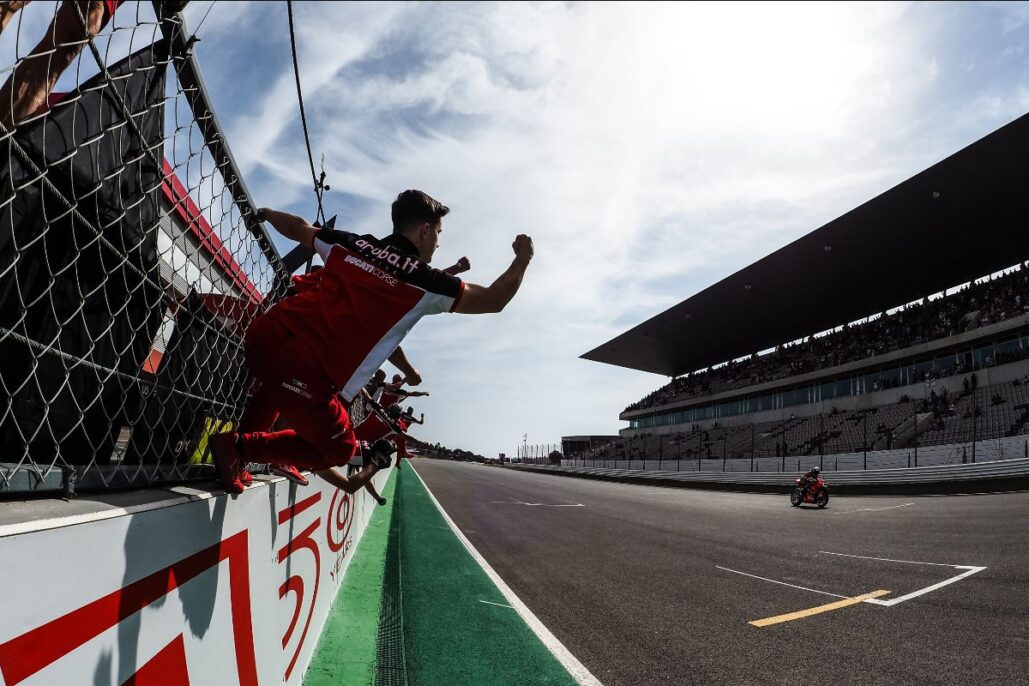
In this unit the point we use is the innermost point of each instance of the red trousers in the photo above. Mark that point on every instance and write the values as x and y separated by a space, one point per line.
289 383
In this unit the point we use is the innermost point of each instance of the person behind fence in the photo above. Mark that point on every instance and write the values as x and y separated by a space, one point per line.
33 78
312 352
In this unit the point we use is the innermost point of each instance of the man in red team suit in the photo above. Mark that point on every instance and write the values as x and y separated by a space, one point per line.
312 352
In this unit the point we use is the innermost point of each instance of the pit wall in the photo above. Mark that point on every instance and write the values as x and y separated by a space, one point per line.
201 589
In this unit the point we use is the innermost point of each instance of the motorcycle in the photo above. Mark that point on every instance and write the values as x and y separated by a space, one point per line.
816 493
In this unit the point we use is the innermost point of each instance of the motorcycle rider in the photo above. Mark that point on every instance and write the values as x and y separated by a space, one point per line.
810 478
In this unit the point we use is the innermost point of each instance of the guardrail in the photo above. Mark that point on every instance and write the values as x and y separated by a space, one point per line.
1000 475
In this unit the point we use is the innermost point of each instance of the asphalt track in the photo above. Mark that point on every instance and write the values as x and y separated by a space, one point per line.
633 579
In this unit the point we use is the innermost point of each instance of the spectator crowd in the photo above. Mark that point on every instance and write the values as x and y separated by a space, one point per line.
972 306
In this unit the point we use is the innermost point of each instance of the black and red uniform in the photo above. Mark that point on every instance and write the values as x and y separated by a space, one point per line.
313 352
374 427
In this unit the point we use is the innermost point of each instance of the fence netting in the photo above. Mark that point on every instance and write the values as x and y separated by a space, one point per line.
130 258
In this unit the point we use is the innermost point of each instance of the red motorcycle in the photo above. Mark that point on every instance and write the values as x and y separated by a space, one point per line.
816 493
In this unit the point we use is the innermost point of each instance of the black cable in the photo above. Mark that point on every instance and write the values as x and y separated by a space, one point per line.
319 184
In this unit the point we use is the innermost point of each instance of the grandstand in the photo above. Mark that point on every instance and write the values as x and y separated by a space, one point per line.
901 327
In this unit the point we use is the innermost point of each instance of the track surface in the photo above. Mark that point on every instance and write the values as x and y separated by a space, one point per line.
630 583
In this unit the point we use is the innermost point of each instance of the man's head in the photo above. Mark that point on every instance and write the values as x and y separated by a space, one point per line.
379 375
397 378
419 217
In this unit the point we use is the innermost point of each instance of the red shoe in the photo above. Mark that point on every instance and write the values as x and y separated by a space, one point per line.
226 461
288 471
246 478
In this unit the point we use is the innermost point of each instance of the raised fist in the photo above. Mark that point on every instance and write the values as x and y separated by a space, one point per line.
522 247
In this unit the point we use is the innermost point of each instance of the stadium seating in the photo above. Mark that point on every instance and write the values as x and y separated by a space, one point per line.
1003 412
975 305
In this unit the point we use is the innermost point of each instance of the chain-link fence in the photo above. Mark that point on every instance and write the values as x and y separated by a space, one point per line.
130 258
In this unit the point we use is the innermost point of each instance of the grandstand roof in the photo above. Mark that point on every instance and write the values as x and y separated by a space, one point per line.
958 220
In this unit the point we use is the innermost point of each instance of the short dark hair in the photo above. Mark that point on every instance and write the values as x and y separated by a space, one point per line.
412 207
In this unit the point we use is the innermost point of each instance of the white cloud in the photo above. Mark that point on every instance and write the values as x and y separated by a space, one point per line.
649 149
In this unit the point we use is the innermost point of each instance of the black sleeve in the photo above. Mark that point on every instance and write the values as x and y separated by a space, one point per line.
438 281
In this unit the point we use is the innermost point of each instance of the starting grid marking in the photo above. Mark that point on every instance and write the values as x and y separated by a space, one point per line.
846 602
969 571
872 598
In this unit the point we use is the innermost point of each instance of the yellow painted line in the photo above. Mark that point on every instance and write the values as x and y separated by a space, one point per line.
779 619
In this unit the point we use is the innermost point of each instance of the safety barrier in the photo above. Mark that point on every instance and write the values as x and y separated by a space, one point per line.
179 587
1005 473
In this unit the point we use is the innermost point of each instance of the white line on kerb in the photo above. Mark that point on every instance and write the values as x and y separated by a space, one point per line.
969 571
783 583
497 604
575 668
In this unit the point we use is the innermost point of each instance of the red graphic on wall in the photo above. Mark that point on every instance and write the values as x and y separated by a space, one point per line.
342 517
167 668
295 583
25 655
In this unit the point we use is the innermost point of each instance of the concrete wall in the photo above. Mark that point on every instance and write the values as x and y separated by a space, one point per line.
201 589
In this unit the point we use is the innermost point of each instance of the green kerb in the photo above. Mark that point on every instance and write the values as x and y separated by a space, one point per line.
345 654
458 627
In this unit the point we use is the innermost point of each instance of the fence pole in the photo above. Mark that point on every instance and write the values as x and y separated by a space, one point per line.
975 420
821 440
864 443
915 419
751 447
725 441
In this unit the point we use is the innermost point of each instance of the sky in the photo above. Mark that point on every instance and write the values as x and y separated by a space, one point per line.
650 150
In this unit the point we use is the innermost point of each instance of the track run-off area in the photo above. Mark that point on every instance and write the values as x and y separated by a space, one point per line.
650 585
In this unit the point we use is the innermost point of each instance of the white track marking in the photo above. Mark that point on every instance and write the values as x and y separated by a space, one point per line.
876 509
886 559
575 668
969 571
929 589
497 604
515 501
782 583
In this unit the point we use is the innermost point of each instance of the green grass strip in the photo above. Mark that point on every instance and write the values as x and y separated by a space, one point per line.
451 636
345 654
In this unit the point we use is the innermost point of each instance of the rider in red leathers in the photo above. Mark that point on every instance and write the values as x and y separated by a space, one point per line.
810 478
